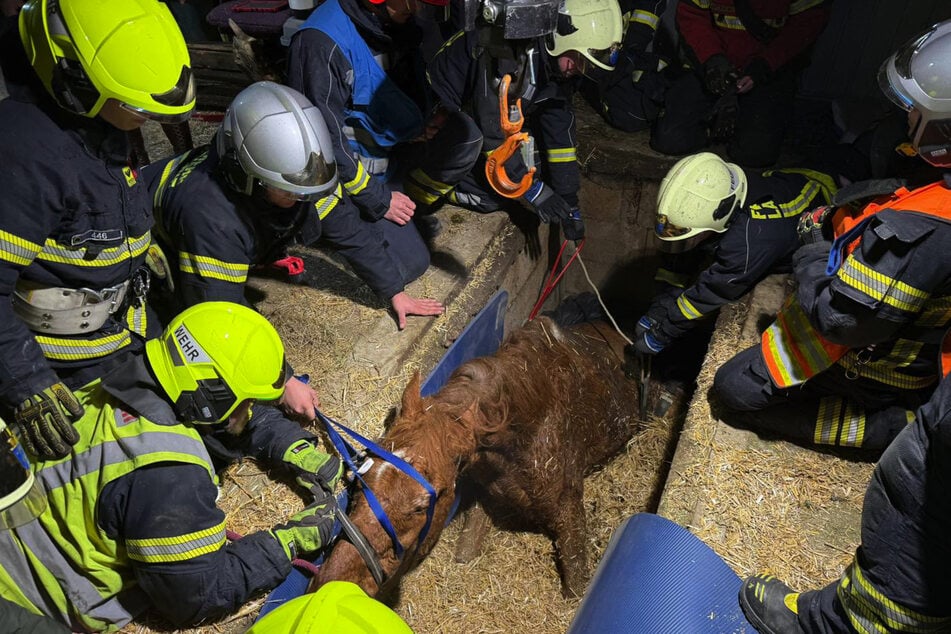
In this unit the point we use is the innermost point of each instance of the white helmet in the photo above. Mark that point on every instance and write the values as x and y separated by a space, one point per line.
917 77
698 194
594 28
274 136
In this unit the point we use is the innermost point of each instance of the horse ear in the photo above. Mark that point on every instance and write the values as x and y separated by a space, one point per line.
412 400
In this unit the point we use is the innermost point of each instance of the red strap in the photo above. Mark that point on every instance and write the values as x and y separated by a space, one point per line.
550 284
292 265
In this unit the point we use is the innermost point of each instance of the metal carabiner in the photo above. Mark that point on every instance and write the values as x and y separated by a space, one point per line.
510 120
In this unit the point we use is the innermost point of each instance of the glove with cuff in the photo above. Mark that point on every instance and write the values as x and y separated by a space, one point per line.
718 74
307 531
313 469
547 204
815 225
45 422
573 226
645 339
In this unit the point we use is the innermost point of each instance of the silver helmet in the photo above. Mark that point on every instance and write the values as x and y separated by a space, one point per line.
274 136
917 78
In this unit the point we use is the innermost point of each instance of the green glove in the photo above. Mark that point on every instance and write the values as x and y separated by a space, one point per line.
312 468
309 530
46 422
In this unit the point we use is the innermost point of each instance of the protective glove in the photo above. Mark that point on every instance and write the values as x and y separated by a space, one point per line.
309 530
573 226
548 205
718 74
758 70
816 225
648 344
46 422
645 324
312 468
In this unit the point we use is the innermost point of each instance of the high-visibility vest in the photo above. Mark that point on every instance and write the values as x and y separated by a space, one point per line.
792 348
63 564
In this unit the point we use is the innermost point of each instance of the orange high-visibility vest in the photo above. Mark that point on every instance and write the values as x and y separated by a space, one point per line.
793 349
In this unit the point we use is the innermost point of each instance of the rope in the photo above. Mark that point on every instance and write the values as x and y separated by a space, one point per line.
551 284
601 301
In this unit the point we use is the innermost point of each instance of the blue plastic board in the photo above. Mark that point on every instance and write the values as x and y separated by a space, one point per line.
656 577
480 338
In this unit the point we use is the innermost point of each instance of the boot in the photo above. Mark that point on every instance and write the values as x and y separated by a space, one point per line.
770 605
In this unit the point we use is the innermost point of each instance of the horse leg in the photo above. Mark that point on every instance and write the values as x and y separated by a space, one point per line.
568 526
472 539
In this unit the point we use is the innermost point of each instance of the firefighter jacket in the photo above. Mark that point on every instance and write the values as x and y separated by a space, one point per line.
466 77
132 521
876 301
331 65
73 215
791 27
213 235
641 19
759 239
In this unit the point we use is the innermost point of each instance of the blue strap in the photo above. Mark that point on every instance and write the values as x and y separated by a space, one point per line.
836 255
346 450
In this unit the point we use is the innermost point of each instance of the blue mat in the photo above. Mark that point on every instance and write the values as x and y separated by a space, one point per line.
481 337
657 577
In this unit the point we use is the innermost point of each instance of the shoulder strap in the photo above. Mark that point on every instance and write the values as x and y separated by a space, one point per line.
753 23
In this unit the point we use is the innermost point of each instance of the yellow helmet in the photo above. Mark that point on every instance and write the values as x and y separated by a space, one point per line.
338 607
88 51
698 194
594 28
215 355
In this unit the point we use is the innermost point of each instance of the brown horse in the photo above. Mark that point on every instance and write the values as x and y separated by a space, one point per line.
522 427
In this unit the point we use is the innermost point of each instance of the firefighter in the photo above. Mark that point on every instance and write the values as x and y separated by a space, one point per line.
269 179
755 216
630 97
74 218
132 521
466 74
741 67
357 60
854 351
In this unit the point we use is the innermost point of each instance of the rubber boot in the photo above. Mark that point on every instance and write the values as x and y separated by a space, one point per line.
770 605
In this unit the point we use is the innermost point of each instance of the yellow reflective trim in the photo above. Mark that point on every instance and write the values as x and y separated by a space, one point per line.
55 252
936 312
798 6
359 182
827 420
869 610
129 176
326 204
62 349
703 4
687 309
561 155
177 548
640 16
17 250
880 287
204 266
826 182
423 178
852 432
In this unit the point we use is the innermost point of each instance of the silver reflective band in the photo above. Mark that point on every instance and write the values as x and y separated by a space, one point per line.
66 311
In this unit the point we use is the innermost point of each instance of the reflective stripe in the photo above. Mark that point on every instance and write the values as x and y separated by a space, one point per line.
16 576
213 268
359 182
789 209
62 349
687 309
326 204
17 250
703 4
871 612
55 252
645 17
793 350
839 422
421 188
885 370
136 320
734 23
826 183
880 287
798 6
178 548
937 312
561 155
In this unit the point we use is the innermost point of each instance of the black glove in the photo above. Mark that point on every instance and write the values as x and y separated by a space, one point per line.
816 225
46 422
313 469
309 530
759 71
573 226
646 339
718 74
548 205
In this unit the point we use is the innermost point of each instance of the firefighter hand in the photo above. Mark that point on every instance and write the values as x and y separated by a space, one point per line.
756 73
46 422
546 204
719 76
648 344
401 208
405 304
816 225
313 469
309 530
573 226
299 399
644 325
